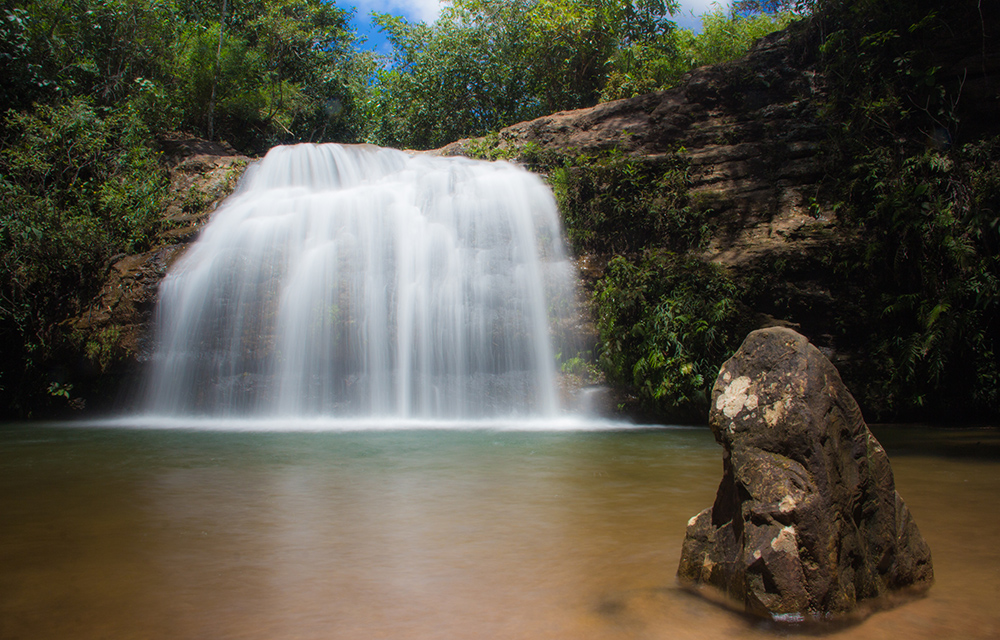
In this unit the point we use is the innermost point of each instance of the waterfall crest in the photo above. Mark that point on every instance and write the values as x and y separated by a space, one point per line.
361 281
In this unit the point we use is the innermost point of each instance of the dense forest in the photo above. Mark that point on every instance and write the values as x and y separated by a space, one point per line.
91 87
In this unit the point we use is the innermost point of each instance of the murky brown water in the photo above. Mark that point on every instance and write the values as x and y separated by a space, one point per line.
114 533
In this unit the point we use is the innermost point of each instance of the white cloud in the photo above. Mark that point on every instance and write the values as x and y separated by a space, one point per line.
414 10
698 7
429 10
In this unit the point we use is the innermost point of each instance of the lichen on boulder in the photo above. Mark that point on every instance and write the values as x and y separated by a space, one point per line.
807 522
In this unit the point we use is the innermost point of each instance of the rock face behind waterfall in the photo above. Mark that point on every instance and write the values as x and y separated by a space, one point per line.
807 521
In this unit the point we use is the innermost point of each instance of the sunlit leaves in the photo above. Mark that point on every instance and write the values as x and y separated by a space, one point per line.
80 184
667 322
486 64
661 62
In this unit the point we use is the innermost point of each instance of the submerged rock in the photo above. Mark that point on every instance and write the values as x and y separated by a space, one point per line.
807 522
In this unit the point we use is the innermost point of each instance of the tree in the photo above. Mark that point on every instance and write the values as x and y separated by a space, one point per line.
574 43
78 185
97 48
661 63
88 84
464 75
485 64
270 73
756 7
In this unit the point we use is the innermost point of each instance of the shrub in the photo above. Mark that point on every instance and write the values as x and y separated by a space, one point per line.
79 186
667 323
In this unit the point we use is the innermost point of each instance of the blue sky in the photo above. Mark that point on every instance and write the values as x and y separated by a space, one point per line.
428 10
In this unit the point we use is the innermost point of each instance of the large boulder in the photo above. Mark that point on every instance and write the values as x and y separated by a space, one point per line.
807 522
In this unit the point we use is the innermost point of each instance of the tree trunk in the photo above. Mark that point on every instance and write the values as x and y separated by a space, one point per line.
215 76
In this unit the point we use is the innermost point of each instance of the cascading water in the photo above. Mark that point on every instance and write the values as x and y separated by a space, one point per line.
361 281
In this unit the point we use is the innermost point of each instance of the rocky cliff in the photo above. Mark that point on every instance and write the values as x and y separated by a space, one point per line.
748 129
112 336
765 175
750 134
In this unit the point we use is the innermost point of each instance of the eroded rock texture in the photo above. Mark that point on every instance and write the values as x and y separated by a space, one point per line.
807 521
201 175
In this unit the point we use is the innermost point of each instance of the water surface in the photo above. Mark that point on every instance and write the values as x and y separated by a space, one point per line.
414 534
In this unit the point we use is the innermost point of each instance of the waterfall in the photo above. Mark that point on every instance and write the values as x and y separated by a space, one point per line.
345 280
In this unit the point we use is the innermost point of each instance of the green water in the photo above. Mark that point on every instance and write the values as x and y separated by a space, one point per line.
128 533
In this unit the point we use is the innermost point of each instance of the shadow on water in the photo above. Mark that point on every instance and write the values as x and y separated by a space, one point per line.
926 440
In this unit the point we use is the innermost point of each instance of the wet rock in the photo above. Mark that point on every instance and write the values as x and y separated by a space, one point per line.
807 522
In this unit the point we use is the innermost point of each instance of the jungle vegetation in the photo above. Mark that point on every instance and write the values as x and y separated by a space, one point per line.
90 86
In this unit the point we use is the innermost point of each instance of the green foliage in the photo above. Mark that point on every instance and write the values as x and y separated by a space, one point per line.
613 202
240 96
933 247
23 79
582 367
486 64
573 42
89 48
667 323
617 203
308 60
727 36
267 71
753 7
87 85
90 168
279 71
661 63
282 70
455 78
78 185
664 319
103 347
927 209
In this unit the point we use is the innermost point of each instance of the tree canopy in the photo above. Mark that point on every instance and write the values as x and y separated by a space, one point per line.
486 64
